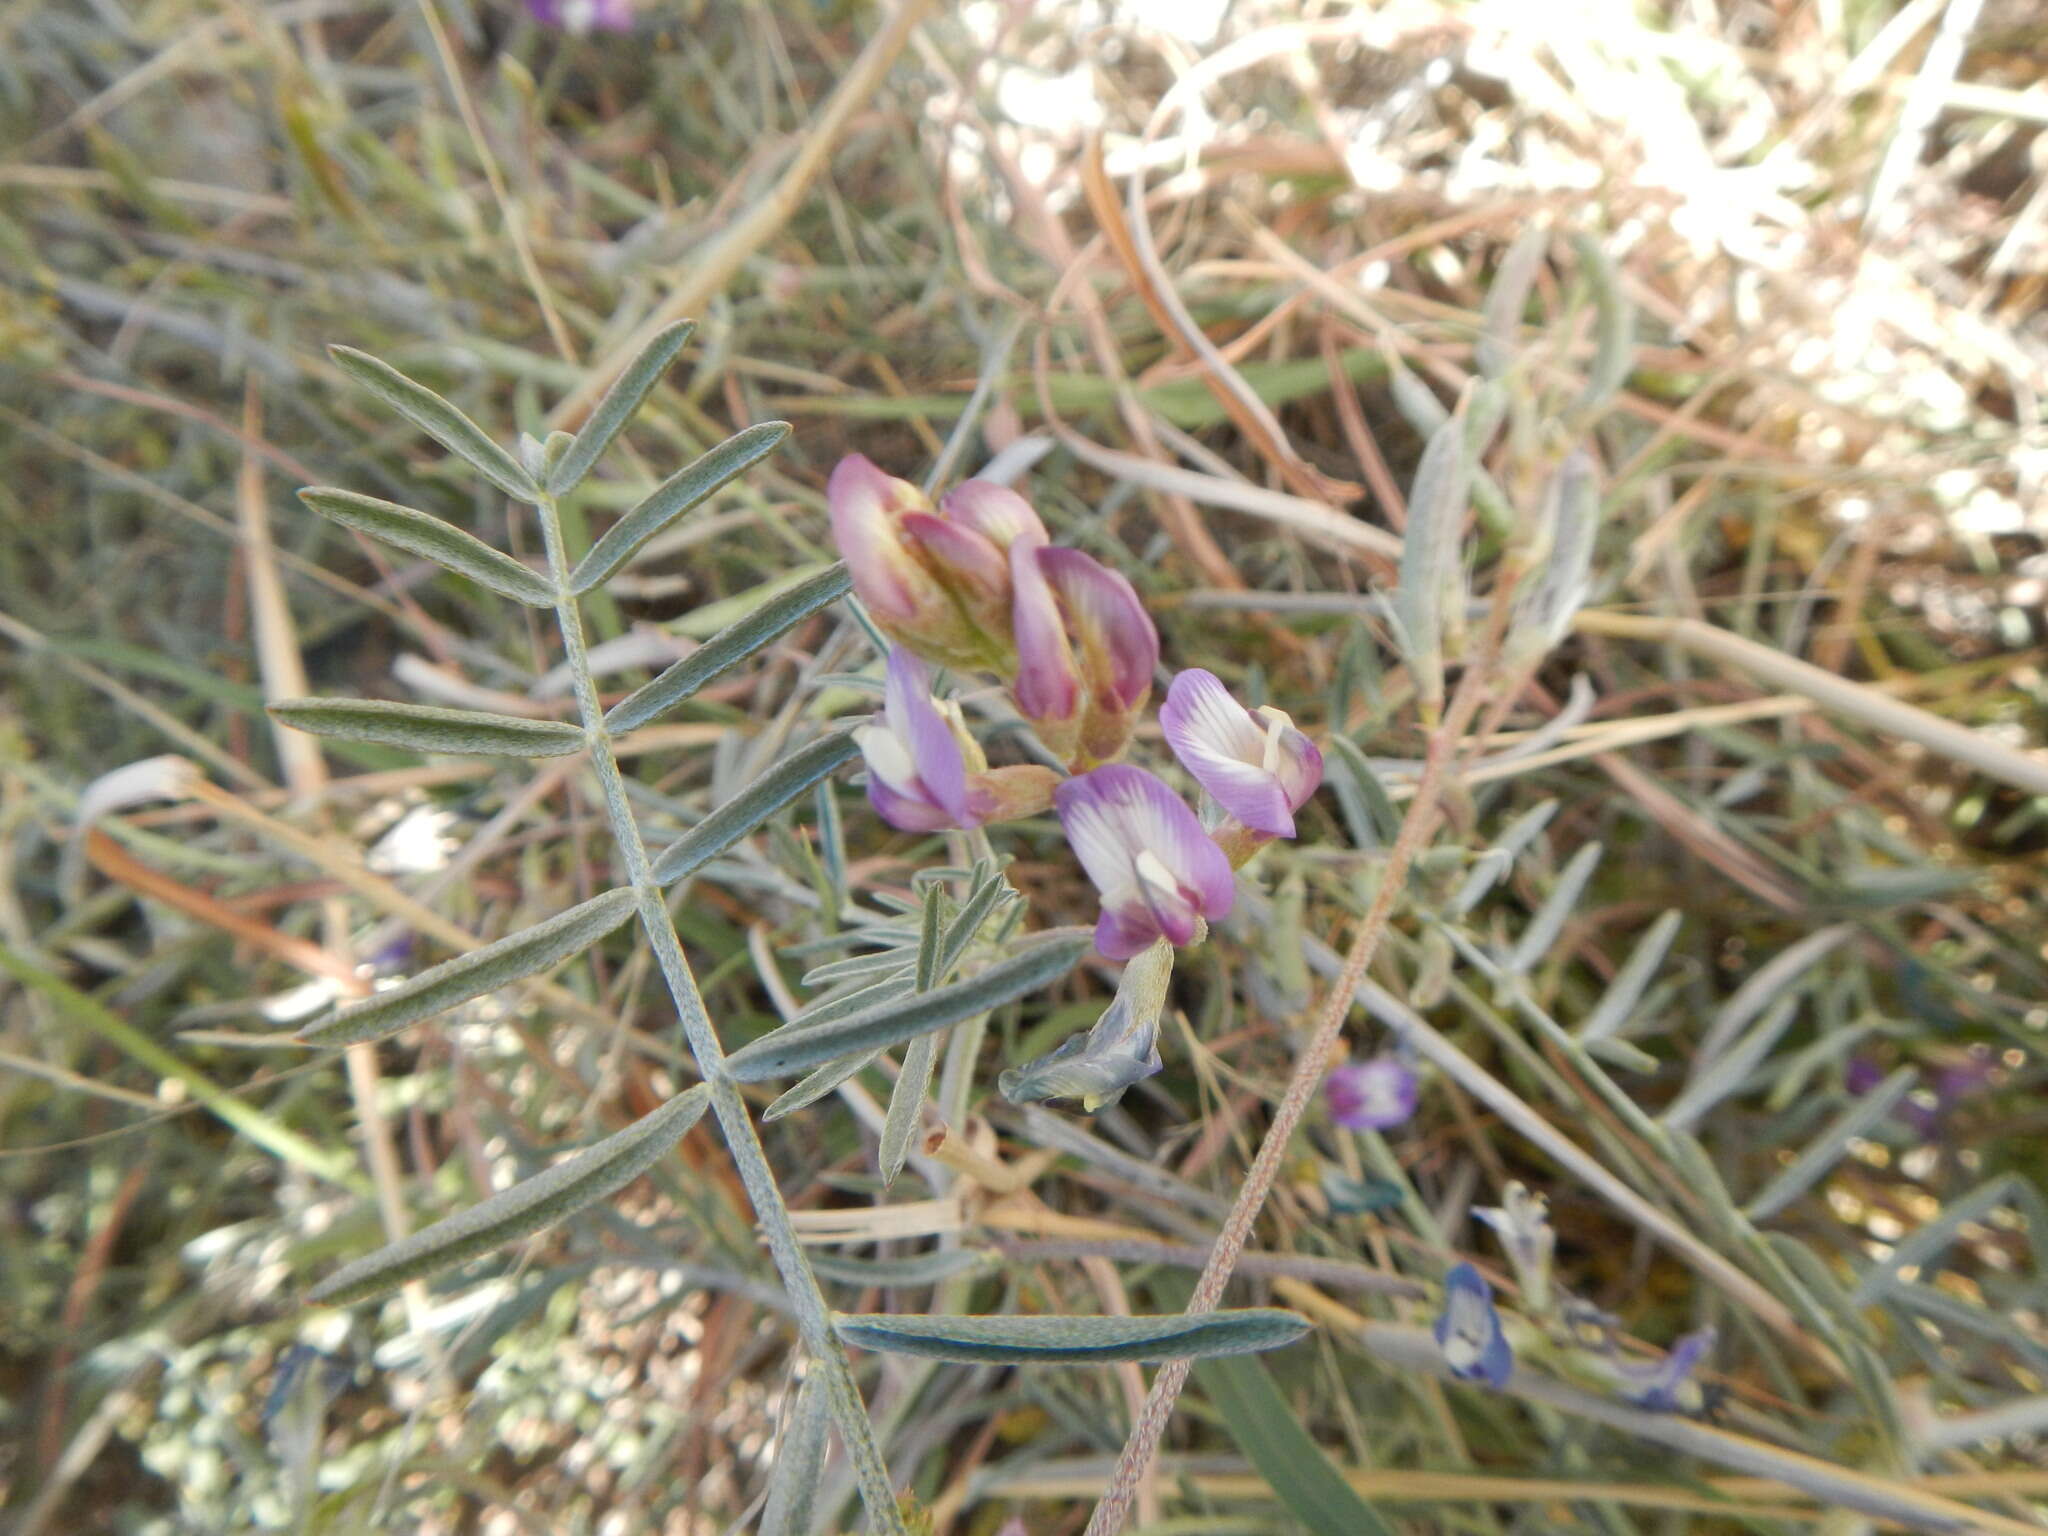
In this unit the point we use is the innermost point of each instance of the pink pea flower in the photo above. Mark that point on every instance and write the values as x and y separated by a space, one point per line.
941 589
926 773
1374 1095
1158 872
1255 765
1117 644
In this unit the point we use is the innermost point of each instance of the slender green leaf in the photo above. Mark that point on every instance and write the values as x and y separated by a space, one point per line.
1508 294
419 533
1038 963
1824 1150
913 1083
629 390
1044 1340
753 805
525 1208
1269 1433
1367 809
895 984
726 649
510 959
439 420
818 1084
1728 1074
686 488
1930 1240
1550 918
1631 981
1614 328
428 728
799 1468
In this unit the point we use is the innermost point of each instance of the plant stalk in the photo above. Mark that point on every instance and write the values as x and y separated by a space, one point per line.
1416 826
813 1316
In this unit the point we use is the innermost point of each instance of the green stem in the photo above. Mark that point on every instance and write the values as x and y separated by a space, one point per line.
814 1321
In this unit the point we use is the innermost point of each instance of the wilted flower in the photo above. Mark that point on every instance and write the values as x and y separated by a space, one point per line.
1255 765
925 772
1523 1223
1122 1047
938 584
1666 1385
1468 1330
580 16
1159 874
1371 1095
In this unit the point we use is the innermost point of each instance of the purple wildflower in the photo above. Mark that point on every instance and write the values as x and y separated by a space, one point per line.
1255 765
1373 1095
1159 874
577 17
925 772
1468 1330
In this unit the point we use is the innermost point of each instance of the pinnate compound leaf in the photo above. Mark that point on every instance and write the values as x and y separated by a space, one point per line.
1028 1340
439 420
422 534
525 1208
510 959
752 806
686 488
729 647
429 728
1039 962
628 392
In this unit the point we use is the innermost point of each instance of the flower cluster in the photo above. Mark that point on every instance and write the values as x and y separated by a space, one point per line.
974 582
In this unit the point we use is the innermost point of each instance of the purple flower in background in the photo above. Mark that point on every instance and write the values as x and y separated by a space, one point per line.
580 16
917 771
1468 1330
1159 874
1666 1386
1119 648
1255 765
1373 1095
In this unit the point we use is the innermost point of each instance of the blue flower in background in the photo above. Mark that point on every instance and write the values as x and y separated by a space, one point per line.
1468 1331
1666 1386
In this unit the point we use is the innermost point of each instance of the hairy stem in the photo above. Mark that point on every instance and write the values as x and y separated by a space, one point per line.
1416 827
814 1322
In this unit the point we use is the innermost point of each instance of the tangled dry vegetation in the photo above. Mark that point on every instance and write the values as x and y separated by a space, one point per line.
907 232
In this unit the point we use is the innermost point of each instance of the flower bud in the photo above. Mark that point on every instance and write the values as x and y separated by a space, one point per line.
1118 646
923 596
1048 686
